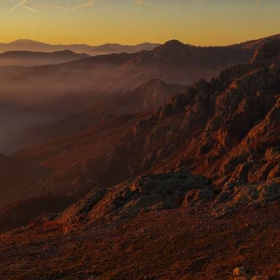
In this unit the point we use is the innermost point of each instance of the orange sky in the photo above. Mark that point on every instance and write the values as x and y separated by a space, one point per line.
198 22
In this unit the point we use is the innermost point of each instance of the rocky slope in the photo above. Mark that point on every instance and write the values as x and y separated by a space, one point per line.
145 194
164 191
168 221
226 129
167 240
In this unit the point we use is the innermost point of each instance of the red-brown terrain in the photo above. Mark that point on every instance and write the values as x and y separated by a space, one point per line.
216 129
18 178
190 190
181 243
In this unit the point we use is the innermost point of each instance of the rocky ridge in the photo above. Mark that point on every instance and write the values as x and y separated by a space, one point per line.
149 193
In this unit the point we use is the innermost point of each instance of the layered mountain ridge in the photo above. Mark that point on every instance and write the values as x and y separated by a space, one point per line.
55 92
31 45
226 129
27 58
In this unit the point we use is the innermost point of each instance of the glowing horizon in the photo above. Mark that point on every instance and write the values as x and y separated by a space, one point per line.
130 22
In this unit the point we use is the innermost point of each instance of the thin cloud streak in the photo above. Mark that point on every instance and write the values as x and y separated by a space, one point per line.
29 8
88 4
23 4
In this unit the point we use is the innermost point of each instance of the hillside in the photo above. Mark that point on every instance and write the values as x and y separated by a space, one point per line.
160 242
226 129
18 178
144 98
254 44
41 95
162 189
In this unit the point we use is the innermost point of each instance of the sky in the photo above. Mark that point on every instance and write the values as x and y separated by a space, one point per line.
94 22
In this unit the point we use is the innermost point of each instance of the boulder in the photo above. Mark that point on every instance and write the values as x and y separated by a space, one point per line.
239 271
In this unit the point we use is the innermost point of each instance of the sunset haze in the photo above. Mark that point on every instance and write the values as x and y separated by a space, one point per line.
197 22
140 139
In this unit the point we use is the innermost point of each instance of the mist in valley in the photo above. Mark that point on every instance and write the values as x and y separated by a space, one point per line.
41 95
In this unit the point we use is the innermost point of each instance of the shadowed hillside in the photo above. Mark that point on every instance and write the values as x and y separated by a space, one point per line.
144 98
18 178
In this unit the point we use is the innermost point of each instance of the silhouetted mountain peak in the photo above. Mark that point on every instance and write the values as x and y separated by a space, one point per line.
24 41
172 52
173 45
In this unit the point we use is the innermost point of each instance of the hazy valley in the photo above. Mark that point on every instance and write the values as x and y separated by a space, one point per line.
41 95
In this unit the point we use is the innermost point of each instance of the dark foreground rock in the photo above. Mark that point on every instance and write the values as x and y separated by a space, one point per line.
147 193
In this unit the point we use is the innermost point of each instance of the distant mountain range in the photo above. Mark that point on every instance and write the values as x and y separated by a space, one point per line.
33 46
108 48
28 58
43 94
